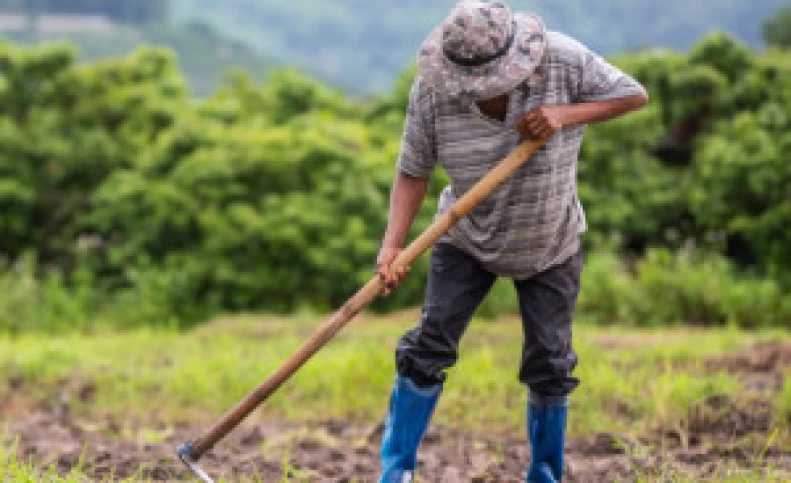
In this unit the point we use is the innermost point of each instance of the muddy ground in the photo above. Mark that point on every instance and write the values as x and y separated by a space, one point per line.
720 435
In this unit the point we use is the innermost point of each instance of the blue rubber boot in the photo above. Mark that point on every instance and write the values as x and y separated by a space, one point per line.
546 429
407 419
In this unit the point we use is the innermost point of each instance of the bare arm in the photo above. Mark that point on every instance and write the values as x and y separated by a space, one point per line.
545 121
406 197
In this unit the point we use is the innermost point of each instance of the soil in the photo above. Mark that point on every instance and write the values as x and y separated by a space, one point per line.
338 451
719 435
760 367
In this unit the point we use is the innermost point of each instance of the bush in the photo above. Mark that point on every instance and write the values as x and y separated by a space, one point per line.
34 302
135 197
671 289
664 288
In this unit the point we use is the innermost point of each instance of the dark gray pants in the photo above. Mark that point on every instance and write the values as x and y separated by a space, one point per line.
456 286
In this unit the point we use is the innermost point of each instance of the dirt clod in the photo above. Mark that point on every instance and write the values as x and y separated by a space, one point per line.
760 367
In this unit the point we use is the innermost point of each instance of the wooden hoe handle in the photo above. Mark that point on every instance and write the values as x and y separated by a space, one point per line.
363 297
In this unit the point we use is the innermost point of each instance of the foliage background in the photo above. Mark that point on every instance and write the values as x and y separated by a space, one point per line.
125 200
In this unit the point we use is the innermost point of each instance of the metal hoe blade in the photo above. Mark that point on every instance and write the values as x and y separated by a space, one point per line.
185 455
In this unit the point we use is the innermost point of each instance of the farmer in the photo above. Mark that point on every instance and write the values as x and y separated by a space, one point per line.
488 78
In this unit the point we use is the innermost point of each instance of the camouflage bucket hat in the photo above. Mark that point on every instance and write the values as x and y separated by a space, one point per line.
481 50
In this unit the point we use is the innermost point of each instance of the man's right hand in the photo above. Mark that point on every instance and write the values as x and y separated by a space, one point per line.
405 198
391 278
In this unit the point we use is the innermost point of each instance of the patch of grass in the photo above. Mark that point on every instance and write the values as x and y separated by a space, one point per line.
11 469
784 400
629 378
632 380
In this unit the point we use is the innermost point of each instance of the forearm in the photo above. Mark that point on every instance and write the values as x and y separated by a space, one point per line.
599 111
545 121
406 197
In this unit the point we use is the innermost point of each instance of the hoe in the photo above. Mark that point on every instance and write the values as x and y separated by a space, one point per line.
191 452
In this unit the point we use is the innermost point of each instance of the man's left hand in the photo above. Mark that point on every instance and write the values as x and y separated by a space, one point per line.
541 123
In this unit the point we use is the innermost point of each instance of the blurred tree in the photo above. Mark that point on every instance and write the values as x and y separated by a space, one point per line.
64 129
717 122
777 30
272 196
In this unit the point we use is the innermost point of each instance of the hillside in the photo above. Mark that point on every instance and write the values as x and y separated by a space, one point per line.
203 54
362 44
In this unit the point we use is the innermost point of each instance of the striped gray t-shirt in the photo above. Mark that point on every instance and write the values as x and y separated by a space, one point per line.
534 219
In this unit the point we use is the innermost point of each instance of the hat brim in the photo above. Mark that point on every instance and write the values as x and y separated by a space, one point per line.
489 80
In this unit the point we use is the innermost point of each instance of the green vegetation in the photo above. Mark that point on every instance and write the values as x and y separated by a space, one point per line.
777 29
131 209
784 399
634 381
119 190
665 289
158 375
11 469
362 44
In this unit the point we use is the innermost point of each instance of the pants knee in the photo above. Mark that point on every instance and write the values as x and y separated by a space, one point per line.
420 360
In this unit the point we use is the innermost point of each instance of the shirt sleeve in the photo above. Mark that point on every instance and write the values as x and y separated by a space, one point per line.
418 154
601 81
